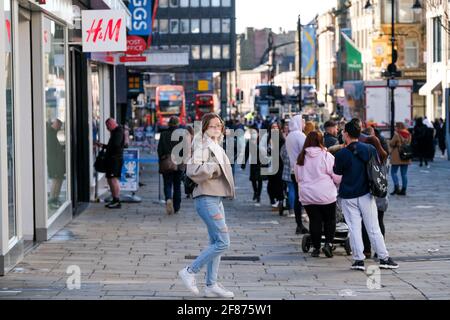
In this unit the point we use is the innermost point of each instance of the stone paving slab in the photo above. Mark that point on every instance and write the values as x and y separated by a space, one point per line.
135 252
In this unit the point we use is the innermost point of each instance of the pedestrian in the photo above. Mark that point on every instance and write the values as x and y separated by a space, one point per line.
172 177
318 192
440 133
252 156
331 134
355 198
275 178
210 168
422 142
309 127
288 183
401 137
294 145
114 160
56 163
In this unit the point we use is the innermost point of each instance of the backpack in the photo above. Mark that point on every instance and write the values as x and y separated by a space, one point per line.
405 150
376 174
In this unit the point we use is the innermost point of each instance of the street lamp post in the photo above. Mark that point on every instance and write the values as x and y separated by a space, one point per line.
392 68
299 31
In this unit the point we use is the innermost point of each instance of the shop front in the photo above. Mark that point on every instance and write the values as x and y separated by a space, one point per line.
35 192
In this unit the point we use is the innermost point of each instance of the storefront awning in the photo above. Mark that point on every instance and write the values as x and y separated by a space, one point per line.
430 86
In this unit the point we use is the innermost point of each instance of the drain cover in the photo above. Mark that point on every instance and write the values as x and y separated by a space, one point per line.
230 258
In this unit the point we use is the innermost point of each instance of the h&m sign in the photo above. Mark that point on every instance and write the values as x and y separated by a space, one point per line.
104 30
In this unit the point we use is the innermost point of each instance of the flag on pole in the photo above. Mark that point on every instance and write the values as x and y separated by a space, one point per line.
354 56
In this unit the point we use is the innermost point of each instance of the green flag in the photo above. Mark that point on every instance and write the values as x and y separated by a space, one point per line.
354 57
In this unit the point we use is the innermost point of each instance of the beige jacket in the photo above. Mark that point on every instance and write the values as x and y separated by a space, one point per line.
210 168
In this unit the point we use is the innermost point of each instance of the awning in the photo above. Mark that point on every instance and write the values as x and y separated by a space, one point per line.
430 86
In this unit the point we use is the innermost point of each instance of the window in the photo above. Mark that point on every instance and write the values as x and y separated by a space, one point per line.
226 51
55 116
9 85
215 3
216 54
226 3
205 26
163 26
387 11
437 40
226 26
184 3
195 52
174 3
411 53
174 26
195 3
405 11
163 3
215 25
206 52
184 26
205 3
195 26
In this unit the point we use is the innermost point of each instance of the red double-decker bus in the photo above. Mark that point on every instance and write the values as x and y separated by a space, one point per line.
205 103
170 101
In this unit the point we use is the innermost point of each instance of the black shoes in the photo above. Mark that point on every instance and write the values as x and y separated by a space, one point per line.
328 250
301 230
388 264
358 265
114 205
315 253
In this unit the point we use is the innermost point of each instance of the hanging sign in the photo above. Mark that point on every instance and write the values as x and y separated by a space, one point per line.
104 30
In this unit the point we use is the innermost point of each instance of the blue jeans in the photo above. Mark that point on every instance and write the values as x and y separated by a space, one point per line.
291 195
403 171
210 209
173 180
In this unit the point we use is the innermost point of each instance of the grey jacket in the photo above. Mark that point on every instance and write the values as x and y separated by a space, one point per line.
210 168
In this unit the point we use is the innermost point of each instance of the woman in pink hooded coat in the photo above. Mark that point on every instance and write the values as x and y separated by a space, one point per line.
318 191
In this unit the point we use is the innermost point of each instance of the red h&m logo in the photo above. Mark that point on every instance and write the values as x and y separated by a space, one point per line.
96 31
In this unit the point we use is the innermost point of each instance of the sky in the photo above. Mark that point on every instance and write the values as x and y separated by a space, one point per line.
263 13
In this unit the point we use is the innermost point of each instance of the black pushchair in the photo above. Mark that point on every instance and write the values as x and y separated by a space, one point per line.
341 236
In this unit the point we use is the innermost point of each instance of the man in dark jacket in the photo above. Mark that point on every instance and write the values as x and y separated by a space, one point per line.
331 133
356 201
114 156
171 179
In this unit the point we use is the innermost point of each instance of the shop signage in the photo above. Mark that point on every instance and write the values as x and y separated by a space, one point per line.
104 30
133 59
141 17
135 45
129 180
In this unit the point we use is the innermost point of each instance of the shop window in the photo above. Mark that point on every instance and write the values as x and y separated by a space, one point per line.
55 115
9 88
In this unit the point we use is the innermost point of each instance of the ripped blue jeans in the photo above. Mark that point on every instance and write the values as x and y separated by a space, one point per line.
210 209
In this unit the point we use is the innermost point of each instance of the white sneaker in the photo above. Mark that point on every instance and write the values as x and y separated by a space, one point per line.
218 291
169 207
189 280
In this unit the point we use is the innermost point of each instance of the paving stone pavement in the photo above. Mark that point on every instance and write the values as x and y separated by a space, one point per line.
136 252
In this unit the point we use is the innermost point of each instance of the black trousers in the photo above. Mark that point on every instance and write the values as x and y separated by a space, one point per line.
257 188
365 236
298 205
321 217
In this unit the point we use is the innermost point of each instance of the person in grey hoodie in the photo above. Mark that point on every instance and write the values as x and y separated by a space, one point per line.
294 145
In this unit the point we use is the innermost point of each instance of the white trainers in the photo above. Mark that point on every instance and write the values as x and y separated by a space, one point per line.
169 207
189 280
218 291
